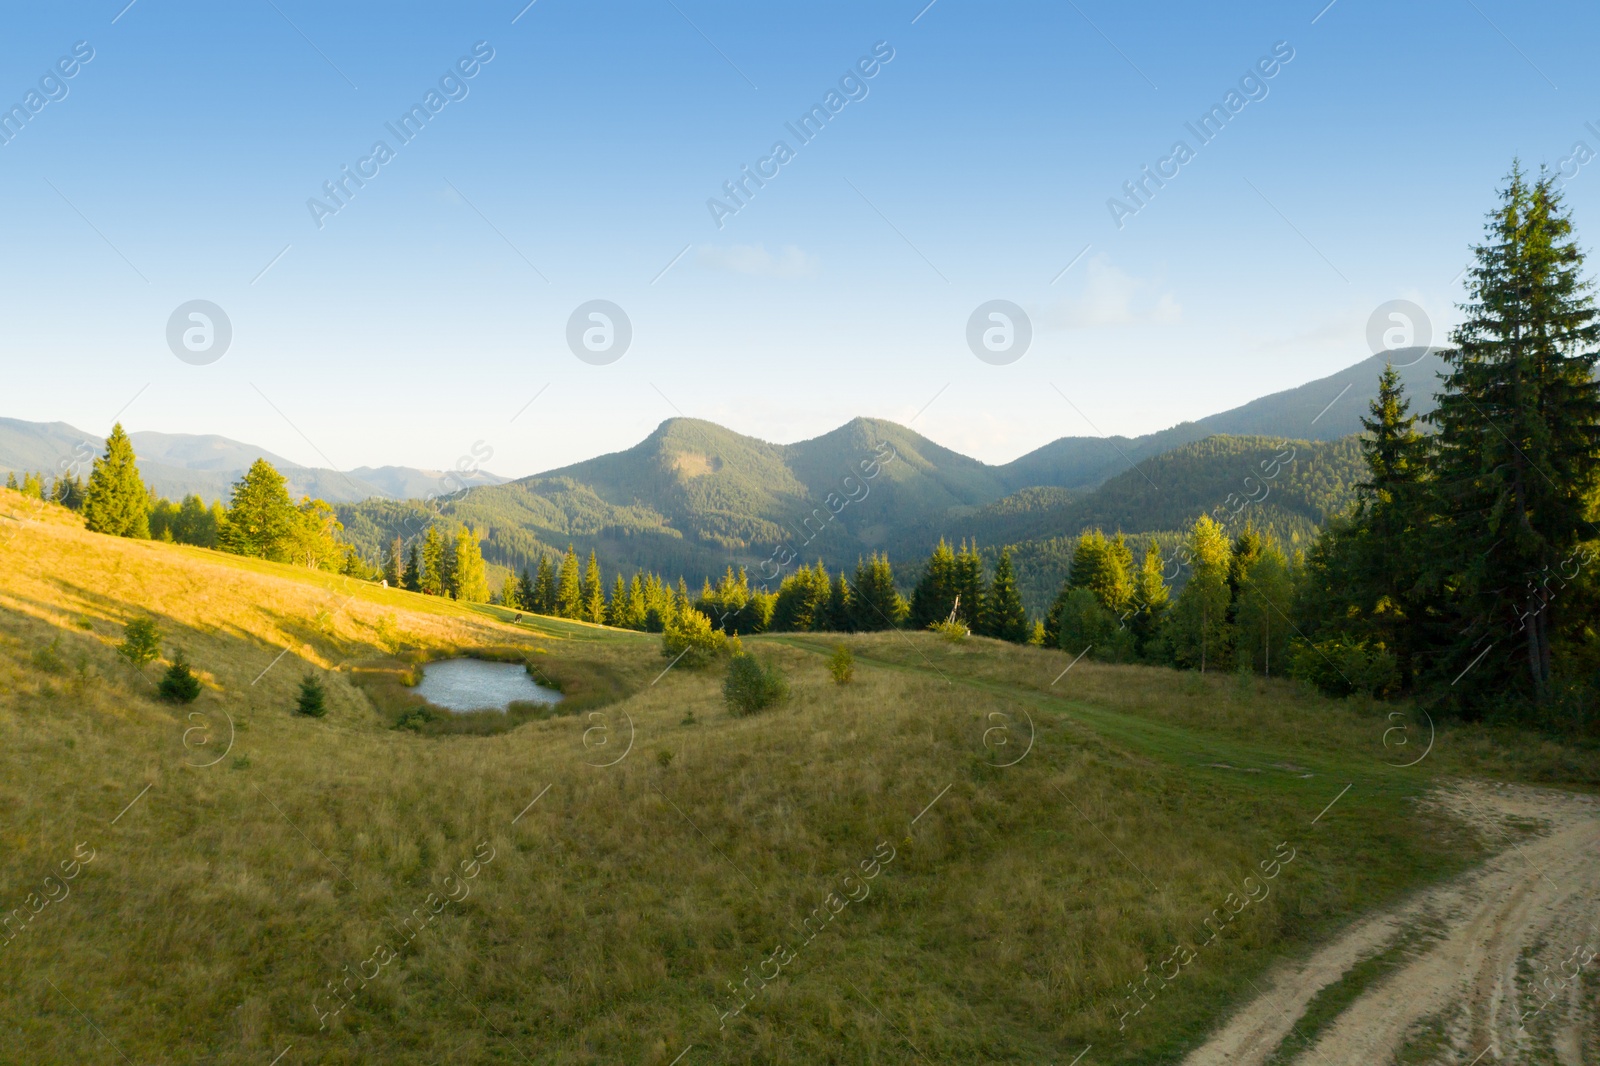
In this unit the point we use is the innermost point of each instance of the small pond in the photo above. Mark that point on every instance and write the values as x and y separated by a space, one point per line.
477 685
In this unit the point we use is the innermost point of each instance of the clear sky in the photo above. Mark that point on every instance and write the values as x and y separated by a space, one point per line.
577 163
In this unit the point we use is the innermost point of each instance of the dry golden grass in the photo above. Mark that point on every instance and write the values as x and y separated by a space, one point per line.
646 852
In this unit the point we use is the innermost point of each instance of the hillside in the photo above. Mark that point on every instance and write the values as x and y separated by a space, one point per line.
242 862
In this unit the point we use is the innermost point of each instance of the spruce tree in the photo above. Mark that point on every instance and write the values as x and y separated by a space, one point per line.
874 603
261 517
433 563
936 589
1197 627
11 480
544 586
527 599
394 563
1261 628
1148 606
593 590
412 578
617 610
969 585
116 501
471 576
569 590
1518 443
1004 616
508 593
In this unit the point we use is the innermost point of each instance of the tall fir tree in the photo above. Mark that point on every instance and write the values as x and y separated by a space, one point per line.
527 600
1004 616
394 564
544 586
936 590
1518 441
874 603
569 587
471 576
1197 627
1148 606
970 585
411 580
434 564
116 500
592 591
261 517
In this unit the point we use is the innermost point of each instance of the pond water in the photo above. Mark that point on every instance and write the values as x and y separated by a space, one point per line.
477 685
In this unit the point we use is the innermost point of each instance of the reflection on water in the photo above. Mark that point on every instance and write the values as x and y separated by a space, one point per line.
476 685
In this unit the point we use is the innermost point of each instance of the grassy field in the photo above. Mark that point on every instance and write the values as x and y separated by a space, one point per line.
963 856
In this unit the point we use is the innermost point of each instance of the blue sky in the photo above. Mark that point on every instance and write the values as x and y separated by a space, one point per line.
426 313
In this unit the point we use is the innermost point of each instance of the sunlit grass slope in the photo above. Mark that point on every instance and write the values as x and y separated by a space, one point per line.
857 876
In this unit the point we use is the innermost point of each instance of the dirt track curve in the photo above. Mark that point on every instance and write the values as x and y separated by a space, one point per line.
1504 968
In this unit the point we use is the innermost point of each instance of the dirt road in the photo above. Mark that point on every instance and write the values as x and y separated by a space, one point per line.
1499 966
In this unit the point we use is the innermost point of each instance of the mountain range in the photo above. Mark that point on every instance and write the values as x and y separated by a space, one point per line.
177 464
694 497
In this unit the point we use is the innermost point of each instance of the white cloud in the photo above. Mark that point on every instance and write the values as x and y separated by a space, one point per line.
755 260
1112 297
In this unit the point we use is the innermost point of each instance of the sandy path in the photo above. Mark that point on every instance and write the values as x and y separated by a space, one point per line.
1539 897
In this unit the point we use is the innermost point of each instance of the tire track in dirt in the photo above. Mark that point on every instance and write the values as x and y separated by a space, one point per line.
1535 904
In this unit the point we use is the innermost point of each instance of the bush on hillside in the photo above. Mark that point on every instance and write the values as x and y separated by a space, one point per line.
954 632
751 685
1086 625
141 642
842 665
1344 666
690 640
180 685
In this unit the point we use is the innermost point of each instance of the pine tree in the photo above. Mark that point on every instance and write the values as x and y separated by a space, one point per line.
1148 606
527 598
874 603
261 517
569 590
433 563
617 609
592 589
312 700
412 578
508 593
1102 566
11 480
1004 616
1198 624
838 613
1518 443
179 685
969 585
116 500
471 576
1261 625
936 590
394 565
544 586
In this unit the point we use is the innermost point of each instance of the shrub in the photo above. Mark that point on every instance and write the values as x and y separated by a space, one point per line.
751 685
312 700
180 685
691 636
954 632
842 665
141 642
1085 624
48 658
1345 666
